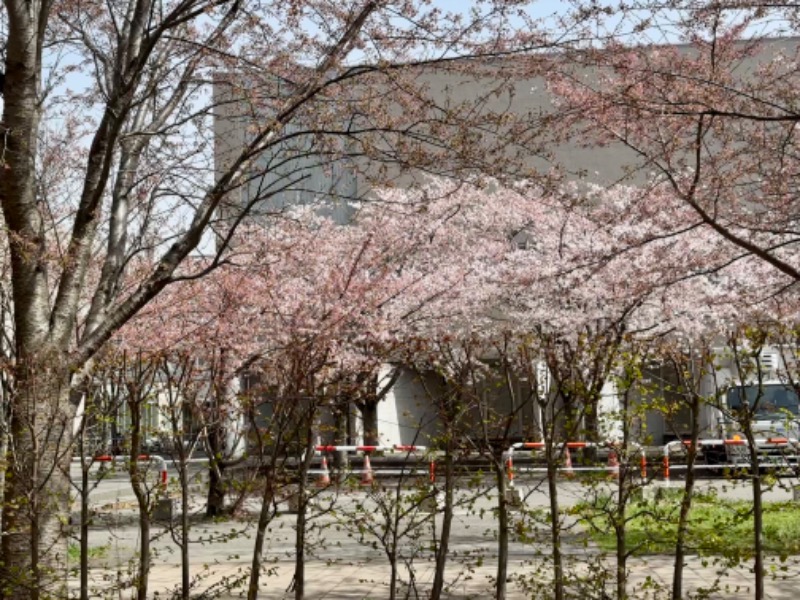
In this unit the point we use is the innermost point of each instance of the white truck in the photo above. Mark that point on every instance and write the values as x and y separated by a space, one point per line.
740 392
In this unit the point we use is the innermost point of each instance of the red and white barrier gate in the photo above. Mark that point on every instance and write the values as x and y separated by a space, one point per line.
612 467
777 443
392 449
159 460
367 474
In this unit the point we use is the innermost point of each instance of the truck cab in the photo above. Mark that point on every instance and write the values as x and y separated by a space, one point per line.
773 407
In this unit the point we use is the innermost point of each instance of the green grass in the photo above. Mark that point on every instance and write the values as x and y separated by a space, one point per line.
716 526
74 552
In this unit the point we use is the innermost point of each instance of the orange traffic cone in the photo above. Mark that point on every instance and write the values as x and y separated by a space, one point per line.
613 464
568 463
510 470
325 477
367 477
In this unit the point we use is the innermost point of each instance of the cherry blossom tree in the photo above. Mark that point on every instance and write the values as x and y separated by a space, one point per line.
417 272
699 98
107 164
301 328
583 280
586 279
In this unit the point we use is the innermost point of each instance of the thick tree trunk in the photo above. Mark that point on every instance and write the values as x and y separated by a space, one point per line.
215 501
143 571
40 424
393 575
340 415
37 490
369 415
217 484
590 429
225 442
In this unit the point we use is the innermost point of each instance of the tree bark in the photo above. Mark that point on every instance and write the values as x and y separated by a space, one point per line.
551 456
184 533
502 530
758 513
302 512
215 501
40 425
269 453
686 502
447 520
37 486
265 516
369 415
138 483
225 437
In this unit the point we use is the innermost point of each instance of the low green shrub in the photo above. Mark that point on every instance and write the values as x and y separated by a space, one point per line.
716 526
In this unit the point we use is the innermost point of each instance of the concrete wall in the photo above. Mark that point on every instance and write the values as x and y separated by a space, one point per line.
513 112
409 414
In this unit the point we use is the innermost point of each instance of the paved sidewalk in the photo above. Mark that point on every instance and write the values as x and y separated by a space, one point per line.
650 578
346 569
